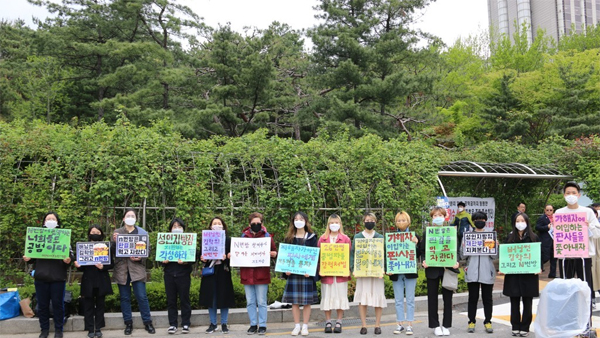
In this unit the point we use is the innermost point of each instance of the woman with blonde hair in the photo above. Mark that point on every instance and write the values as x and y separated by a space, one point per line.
334 290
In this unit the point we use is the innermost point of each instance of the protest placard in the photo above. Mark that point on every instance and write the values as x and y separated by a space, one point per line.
176 246
213 244
472 205
440 246
571 236
129 245
92 253
368 257
47 243
520 258
401 253
477 243
297 259
250 252
335 259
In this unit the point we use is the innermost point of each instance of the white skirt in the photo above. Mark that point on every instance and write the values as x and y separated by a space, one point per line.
370 291
334 296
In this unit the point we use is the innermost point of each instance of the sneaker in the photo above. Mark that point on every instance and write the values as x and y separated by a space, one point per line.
399 329
488 328
438 331
523 333
185 329
304 331
44 334
211 328
252 330
91 334
58 334
172 330
98 333
296 330
224 328
471 328
262 330
409 330
515 333
445 331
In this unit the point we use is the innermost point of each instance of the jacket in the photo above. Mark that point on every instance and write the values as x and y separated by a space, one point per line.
95 278
259 275
218 284
51 270
341 239
541 226
463 223
124 265
522 285
480 269
394 277
360 235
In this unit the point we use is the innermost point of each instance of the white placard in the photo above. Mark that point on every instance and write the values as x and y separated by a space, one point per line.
250 252
473 204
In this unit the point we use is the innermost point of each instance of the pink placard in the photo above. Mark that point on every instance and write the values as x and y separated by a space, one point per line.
570 235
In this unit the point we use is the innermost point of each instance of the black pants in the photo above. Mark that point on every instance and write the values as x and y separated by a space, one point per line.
432 304
44 292
518 322
486 297
574 267
178 286
93 311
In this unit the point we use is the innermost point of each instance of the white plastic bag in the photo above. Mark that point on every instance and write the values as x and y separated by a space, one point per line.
563 310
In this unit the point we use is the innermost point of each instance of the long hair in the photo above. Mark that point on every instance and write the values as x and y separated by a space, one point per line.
55 215
332 219
95 226
222 222
513 237
291 233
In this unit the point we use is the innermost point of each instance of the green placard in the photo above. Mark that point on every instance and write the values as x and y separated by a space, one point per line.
176 246
48 243
401 253
520 258
440 246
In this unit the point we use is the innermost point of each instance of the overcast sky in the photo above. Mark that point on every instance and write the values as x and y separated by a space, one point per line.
448 19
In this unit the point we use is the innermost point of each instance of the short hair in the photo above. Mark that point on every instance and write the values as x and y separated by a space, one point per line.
479 215
128 210
571 184
461 203
176 220
436 209
369 214
402 214
525 204
55 215
255 215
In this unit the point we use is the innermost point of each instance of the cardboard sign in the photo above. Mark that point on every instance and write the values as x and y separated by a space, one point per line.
129 245
473 204
520 258
47 243
250 252
368 257
176 246
400 252
335 259
213 244
297 259
571 235
440 248
477 243
92 253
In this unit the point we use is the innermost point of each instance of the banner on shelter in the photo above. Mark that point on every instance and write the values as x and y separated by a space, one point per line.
250 252
92 253
472 205
47 243
368 257
297 259
173 247
571 235
520 258
335 259
213 244
477 243
400 253
440 246
128 245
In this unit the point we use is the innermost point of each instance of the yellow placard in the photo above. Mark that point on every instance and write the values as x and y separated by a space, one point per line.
335 259
368 257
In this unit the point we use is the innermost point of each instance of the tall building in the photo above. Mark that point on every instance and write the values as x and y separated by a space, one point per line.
554 16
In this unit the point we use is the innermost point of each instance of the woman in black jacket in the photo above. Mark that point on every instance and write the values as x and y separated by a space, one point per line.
543 227
95 285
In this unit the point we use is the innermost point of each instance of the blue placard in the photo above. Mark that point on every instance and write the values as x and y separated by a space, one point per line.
297 259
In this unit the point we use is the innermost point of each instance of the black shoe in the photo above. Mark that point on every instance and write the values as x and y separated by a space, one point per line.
91 334
551 276
211 328
252 329
337 328
224 328
150 328
363 330
98 333
128 329
262 330
377 330
44 334
328 327
58 334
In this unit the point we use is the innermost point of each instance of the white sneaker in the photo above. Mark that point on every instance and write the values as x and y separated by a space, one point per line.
399 329
304 331
409 330
296 330
446 331
438 331
172 330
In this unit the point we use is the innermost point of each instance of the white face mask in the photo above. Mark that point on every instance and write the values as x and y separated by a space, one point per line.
299 224
438 220
521 226
130 221
571 199
217 227
51 224
177 230
335 227
461 209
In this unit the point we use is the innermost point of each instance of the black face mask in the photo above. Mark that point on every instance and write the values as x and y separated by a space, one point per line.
95 237
369 225
255 227
479 224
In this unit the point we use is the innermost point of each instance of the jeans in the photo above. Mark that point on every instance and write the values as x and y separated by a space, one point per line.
44 292
212 313
432 303
139 291
399 286
256 296
175 286
486 297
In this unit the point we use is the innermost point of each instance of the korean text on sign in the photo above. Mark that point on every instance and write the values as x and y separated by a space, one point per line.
92 253
400 253
571 235
477 243
176 246
335 259
250 252
47 243
440 246
368 257
213 244
297 259
520 258
128 245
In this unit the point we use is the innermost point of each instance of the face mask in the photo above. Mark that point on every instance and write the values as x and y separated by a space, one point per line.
370 225
95 237
177 230
299 224
479 224
255 227
129 221
335 227
51 224
461 209
521 226
217 227
438 220
571 199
